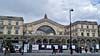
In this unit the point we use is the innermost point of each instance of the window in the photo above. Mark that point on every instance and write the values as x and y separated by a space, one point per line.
1 22
82 34
9 22
16 32
88 34
45 29
87 26
16 27
93 30
93 34
81 26
1 31
93 26
88 30
9 31
82 30
17 23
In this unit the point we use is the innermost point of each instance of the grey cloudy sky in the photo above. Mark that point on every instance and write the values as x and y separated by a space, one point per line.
57 10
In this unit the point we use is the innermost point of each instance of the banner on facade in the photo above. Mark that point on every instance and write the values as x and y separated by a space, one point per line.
43 46
73 46
35 47
56 46
48 47
97 46
64 46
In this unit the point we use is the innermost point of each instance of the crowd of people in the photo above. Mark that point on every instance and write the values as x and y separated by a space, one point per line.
85 50
77 50
57 50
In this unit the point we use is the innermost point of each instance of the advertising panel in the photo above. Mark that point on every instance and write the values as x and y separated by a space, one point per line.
64 46
35 47
48 47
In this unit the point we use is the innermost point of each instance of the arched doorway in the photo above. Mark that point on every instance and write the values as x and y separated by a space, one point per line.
32 41
45 41
88 43
74 42
94 42
58 41
82 43
45 29
39 41
68 43
63 41
51 41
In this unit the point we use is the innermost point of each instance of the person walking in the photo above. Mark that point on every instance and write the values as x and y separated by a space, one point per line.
60 49
8 52
53 49
86 50
22 51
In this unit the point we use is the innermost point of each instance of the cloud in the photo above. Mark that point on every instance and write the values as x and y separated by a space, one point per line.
57 10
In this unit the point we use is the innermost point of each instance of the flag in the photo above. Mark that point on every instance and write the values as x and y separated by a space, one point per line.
95 2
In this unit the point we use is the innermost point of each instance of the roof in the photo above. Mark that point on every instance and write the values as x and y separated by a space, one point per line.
11 18
45 19
83 23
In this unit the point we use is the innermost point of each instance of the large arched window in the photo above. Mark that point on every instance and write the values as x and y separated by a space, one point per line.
45 30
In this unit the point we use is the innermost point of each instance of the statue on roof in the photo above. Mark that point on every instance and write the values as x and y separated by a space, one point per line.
45 16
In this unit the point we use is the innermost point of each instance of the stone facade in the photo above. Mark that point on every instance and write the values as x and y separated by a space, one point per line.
83 28
11 27
46 31
84 33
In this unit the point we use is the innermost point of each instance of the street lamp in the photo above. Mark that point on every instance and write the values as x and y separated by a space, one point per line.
71 50
23 42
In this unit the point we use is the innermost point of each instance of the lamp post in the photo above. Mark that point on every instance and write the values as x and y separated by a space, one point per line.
71 50
23 42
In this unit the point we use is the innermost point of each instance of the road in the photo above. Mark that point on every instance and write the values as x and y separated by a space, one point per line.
50 54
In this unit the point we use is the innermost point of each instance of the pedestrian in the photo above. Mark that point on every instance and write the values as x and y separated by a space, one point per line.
4 51
60 49
8 52
91 50
53 49
22 51
80 50
86 50
19 50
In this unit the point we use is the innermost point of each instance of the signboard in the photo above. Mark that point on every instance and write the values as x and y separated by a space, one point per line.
43 46
56 46
97 46
64 46
48 47
73 46
35 47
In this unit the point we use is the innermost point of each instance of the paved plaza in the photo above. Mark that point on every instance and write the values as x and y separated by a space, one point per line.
50 54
